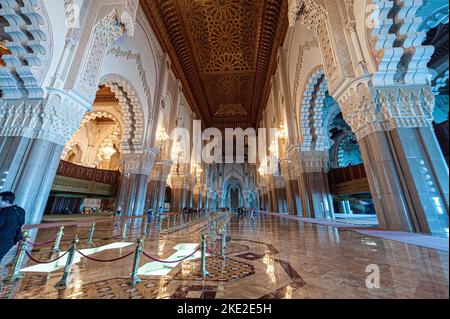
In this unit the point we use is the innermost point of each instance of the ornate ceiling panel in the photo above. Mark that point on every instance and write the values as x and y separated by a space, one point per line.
223 50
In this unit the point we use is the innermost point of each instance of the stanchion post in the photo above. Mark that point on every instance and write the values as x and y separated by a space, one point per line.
91 234
204 271
124 230
145 225
19 259
62 284
60 235
224 240
134 280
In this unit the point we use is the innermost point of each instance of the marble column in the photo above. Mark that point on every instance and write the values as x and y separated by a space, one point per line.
197 196
133 189
348 209
156 191
278 191
32 137
406 170
164 168
314 188
178 193
152 194
28 168
286 171
132 194
408 177
204 197
342 207
296 197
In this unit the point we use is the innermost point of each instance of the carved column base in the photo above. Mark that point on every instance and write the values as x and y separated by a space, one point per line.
28 168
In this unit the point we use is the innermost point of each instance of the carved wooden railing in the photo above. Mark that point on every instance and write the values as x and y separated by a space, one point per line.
71 170
349 180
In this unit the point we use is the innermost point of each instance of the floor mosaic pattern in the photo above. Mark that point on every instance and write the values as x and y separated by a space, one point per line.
268 257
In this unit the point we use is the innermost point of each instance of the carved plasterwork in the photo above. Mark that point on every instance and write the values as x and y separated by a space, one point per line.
177 181
105 32
314 136
54 119
133 137
161 171
308 45
277 182
313 162
368 110
29 41
315 18
395 43
139 163
287 169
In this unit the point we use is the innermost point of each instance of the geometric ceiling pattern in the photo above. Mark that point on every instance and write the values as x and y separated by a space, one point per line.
224 51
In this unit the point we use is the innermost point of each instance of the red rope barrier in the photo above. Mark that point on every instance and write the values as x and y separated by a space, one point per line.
211 251
45 262
43 243
105 261
169 262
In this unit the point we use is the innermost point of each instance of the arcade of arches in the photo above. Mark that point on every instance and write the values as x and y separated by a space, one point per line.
357 91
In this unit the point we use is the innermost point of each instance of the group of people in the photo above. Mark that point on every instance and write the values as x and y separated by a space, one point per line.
245 212
190 210
150 212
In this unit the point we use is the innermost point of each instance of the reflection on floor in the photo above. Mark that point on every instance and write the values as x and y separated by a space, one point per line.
268 257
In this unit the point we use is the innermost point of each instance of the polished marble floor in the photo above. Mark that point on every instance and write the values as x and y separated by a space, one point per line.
268 257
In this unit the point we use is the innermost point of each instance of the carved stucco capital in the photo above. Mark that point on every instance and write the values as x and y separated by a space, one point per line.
368 109
55 118
139 163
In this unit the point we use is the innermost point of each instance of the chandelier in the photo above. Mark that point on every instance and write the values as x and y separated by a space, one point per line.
161 135
273 149
262 170
282 134
108 151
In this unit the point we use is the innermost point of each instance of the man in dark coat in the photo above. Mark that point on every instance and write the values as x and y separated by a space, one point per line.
12 218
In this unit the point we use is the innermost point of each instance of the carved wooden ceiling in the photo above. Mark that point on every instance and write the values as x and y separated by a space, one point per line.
224 51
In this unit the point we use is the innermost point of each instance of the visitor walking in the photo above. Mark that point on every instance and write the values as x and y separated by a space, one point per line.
12 218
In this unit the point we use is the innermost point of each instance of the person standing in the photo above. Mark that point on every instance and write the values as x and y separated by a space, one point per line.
12 218
160 212
150 214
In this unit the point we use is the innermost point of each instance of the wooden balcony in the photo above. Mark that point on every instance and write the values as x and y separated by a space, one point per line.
85 181
349 181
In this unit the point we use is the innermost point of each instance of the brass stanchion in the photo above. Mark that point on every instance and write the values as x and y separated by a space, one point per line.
204 271
224 240
91 234
56 248
124 230
62 284
137 258
19 259
145 225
